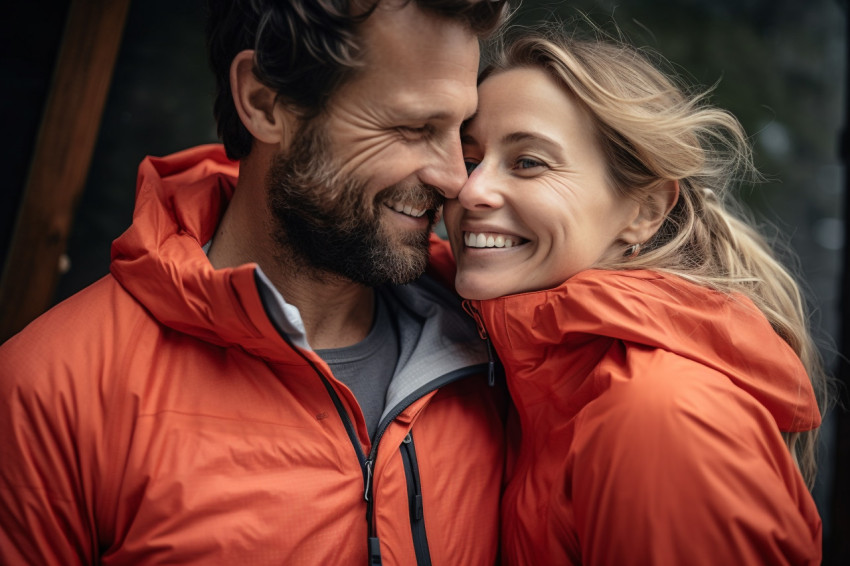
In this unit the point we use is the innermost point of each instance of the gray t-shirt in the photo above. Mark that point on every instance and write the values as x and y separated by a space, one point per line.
367 367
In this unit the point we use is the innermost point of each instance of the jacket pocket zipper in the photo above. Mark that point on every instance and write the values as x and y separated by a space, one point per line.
414 495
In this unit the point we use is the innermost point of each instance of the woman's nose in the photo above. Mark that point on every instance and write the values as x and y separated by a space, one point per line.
482 188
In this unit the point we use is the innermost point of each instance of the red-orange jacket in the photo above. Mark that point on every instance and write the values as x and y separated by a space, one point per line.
651 411
159 416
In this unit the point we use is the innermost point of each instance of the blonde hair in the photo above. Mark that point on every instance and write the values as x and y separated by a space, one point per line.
653 130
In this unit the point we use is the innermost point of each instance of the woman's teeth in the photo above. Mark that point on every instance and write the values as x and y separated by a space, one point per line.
473 240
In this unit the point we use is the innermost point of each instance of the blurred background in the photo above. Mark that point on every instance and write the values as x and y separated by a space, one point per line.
779 65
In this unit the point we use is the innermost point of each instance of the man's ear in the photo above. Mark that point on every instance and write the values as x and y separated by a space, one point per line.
256 103
651 213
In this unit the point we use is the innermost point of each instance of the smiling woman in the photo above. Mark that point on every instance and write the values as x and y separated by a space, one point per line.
541 189
658 355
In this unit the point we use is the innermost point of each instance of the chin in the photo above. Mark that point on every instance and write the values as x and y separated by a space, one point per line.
470 290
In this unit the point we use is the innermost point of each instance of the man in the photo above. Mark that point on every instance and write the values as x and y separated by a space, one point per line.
264 378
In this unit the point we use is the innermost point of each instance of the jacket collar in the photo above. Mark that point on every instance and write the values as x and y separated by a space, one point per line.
724 332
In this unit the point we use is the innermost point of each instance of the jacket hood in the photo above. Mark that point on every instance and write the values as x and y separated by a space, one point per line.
725 332
160 259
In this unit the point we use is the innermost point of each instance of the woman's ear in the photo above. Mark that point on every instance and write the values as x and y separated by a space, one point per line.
651 213
257 104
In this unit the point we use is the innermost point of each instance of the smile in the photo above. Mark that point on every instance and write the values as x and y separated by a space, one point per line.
407 209
485 240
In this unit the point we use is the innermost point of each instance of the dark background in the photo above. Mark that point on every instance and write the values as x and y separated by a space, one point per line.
779 65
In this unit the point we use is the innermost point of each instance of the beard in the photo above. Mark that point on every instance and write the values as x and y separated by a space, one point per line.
326 228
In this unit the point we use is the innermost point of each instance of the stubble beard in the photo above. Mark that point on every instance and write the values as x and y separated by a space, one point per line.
326 229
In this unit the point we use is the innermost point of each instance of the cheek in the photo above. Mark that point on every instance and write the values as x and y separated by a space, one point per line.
382 159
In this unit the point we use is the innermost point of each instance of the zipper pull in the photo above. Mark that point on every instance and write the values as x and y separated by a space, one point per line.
491 364
374 542
374 551
367 493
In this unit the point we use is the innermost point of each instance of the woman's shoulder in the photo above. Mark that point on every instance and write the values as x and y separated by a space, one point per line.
656 395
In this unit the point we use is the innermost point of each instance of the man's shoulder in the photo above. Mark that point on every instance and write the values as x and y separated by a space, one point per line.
79 331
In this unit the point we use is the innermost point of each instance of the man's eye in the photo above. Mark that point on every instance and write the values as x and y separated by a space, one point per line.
415 131
470 166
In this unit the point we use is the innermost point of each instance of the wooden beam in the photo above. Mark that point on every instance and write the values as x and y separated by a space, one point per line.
61 158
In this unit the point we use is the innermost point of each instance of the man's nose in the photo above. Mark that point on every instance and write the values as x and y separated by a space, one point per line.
446 170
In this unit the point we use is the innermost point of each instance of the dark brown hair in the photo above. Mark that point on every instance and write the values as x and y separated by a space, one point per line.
305 49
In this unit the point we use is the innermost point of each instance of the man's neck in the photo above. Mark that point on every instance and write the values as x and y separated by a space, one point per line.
335 315
336 312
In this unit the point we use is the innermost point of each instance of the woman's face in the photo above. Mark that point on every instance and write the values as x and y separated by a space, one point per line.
537 207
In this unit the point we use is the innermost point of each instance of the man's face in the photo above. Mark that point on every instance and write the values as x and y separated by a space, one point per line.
358 192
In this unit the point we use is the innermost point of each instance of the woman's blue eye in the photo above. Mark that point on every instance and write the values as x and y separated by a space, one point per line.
470 167
527 163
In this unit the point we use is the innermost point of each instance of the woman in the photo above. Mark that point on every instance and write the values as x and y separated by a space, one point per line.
664 379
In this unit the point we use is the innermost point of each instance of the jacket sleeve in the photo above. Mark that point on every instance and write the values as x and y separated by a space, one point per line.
42 517
677 466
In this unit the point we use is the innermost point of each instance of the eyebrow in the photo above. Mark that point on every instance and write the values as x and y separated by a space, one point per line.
519 137
434 116
438 117
516 137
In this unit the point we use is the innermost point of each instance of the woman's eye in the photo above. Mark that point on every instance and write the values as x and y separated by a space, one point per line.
470 166
528 163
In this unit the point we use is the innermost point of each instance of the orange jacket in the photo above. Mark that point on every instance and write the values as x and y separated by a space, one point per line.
158 416
650 411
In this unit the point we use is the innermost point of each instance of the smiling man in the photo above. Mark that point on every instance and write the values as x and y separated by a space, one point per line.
266 376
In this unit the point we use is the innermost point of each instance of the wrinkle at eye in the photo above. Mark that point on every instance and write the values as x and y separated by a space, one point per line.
446 145
366 148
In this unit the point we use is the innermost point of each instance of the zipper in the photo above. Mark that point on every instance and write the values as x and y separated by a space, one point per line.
433 385
414 495
367 462
482 332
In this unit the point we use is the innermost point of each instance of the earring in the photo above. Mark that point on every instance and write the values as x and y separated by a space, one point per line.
632 251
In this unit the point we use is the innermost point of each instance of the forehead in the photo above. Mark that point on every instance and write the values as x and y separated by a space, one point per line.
528 99
394 34
409 52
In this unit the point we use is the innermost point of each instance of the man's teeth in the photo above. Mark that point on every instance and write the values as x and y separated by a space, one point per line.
407 209
473 240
